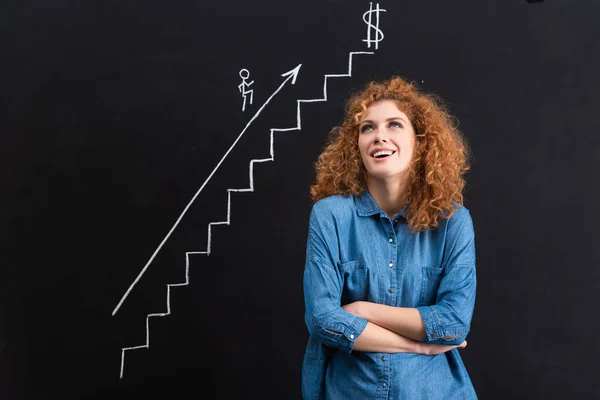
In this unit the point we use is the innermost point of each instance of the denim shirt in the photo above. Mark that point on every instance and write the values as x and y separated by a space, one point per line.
356 252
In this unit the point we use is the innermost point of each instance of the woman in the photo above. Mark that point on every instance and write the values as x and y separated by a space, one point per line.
389 282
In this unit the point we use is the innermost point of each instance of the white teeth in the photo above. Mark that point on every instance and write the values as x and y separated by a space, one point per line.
383 153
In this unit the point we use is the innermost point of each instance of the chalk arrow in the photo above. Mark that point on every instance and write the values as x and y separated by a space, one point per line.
290 75
293 73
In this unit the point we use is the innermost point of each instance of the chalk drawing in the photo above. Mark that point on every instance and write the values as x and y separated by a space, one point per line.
378 33
291 75
243 87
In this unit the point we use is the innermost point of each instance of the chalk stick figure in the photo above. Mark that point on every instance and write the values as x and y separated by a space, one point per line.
243 87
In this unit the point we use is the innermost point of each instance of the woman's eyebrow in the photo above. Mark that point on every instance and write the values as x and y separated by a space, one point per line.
368 121
400 118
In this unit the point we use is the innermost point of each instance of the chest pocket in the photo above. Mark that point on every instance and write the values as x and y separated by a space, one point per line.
430 284
356 282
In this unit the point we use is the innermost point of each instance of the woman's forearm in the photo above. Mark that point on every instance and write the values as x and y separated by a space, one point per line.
402 321
377 339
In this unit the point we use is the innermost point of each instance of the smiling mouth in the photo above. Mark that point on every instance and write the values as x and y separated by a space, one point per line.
380 155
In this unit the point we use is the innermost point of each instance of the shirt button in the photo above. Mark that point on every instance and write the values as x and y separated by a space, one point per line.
391 264
351 336
390 290
383 384
382 358
391 240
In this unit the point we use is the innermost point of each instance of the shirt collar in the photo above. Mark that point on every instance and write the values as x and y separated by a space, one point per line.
366 206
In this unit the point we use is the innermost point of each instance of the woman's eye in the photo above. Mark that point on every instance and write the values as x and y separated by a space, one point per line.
365 128
395 124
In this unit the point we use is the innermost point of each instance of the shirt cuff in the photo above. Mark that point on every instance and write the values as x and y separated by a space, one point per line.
440 333
430 321
340 331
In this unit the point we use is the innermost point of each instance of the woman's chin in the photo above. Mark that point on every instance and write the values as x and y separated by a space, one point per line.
385 176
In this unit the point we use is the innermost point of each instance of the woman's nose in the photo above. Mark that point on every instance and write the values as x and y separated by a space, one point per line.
381 135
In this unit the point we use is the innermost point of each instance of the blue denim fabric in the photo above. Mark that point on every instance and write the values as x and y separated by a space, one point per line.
355 252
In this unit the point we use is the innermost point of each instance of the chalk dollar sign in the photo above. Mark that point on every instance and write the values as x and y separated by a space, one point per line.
378 33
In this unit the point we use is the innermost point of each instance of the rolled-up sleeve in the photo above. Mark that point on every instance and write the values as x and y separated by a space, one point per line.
323 284
448 321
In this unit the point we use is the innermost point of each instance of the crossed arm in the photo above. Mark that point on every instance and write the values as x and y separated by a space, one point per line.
393 329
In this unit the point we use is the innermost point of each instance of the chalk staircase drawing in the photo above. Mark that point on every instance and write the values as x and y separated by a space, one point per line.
290 75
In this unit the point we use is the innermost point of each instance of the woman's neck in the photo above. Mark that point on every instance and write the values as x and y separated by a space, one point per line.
389 195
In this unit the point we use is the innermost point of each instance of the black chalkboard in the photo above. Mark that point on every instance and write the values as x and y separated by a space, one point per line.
123 131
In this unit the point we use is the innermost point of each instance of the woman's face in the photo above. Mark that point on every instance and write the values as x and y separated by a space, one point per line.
386 140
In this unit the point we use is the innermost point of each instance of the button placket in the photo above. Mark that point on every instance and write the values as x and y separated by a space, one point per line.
393 255
390 283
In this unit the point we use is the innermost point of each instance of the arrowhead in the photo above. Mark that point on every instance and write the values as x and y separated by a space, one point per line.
293 73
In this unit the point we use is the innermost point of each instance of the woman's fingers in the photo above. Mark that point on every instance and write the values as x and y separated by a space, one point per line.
435 349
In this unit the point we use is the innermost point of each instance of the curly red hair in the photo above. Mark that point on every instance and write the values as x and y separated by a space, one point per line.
440 157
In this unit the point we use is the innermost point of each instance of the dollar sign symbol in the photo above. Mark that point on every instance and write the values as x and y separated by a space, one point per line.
378 34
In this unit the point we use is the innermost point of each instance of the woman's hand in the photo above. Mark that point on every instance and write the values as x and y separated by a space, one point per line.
435 349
